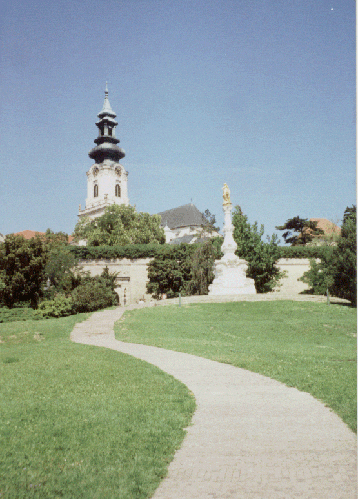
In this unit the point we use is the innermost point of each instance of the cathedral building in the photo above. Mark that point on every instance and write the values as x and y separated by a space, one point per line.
107 178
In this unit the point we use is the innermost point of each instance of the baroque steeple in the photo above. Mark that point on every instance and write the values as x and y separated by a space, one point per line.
106 179
106 141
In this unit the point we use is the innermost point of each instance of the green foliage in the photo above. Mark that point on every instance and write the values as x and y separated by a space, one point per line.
301 251
306 230
61 268
22 264
120 225
209 223
60 306
183 268
261 256
130 251
337 268
202 274
170 270
95 293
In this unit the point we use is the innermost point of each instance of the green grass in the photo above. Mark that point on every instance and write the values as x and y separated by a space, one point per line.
310 346
83 422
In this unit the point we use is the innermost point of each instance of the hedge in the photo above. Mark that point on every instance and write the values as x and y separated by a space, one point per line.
302 251
134 251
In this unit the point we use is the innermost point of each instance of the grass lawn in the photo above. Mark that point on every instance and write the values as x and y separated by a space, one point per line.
310 346
82 422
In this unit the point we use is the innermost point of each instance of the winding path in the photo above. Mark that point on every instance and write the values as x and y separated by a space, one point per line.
251 437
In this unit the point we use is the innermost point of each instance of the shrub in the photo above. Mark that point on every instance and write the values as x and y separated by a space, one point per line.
93 295
60 306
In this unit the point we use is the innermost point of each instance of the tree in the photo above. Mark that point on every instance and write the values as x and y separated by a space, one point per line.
306 230
261 256
344 262
22 265
336 271
169 271
202 274
120 225
209 223
61 268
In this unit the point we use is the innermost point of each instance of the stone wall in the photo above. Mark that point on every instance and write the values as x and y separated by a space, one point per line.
132 276
131 279
295 268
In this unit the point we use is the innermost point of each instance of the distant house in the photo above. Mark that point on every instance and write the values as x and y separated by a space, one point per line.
330 229
185 224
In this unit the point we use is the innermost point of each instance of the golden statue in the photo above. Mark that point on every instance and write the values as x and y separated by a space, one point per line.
226 195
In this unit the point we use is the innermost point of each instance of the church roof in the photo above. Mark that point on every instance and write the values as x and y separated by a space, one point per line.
183 216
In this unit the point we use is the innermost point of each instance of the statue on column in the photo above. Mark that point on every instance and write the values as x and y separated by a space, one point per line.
230 270
226 195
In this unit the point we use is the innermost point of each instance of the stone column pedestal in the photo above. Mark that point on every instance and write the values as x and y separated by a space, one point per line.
230 271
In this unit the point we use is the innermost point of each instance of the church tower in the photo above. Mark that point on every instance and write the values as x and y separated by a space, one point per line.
107 178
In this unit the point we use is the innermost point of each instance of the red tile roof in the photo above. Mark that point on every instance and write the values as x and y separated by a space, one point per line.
29 234
327 226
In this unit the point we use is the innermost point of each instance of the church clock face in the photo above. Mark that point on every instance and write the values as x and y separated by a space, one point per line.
95 171
118 171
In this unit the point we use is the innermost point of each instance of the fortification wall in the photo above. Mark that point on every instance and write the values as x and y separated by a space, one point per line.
133 276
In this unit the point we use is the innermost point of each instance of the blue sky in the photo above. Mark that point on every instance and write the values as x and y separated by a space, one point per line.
260 95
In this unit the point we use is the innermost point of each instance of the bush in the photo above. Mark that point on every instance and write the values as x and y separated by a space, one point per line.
183 268
93 295
60 306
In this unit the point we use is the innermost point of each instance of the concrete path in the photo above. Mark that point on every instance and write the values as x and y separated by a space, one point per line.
251 437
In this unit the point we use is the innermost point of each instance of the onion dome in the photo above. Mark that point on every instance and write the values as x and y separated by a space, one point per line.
106 141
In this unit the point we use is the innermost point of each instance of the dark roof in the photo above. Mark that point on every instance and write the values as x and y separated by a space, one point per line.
185 215
187 239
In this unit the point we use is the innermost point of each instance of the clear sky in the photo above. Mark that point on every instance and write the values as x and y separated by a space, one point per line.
260 95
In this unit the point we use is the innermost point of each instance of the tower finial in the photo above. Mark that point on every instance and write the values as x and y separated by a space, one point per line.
106 91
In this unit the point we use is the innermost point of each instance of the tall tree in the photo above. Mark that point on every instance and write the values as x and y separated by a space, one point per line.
120 225
299 231
261 256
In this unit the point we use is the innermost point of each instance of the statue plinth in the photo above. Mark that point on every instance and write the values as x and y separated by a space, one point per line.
230 270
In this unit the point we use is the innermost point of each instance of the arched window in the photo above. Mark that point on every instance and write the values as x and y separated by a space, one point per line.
118 191
95 191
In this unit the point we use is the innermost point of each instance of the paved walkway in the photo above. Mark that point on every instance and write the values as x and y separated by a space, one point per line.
251 437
